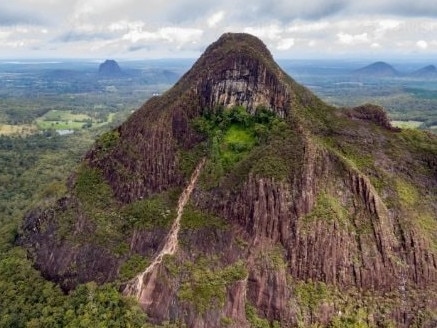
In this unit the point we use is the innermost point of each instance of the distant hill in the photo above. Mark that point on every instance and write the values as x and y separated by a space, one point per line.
110 68
429 71
378 69
157 76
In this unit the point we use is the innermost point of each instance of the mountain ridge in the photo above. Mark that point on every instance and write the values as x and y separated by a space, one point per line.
300 209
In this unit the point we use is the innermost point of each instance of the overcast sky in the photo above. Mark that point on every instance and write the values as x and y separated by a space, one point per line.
183 28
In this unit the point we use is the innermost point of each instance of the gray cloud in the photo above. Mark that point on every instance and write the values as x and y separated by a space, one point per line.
75 36
13 17
403 8
138 47
286 11
167 27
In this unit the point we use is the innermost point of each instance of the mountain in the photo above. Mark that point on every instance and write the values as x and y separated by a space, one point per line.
377 69
157 76
429 71
240 199
110 68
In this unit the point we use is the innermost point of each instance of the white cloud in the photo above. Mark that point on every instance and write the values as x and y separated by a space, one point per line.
181 35
429 26
4 35
176 35
94 7
216 18
302 27
389 24
125 25
422 44
268 32
285 44
135 36
385 26
351 39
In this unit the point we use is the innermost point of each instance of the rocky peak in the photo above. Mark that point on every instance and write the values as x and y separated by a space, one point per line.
373 113
238 69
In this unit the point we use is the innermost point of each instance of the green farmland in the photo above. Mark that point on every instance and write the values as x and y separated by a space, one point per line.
66 120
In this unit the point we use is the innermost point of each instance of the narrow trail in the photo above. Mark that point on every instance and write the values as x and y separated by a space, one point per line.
135 286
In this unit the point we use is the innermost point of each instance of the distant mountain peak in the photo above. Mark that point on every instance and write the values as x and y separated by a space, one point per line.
430 68
109 68
425 72
378 69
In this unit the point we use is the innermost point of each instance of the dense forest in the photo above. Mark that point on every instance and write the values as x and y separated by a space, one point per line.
34 169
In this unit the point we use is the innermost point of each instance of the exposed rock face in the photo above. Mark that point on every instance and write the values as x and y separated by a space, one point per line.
372 113
91 262
349 218
109 68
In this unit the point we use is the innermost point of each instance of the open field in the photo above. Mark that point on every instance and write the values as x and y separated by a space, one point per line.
24 129
62 120
64 115
66 120
407 124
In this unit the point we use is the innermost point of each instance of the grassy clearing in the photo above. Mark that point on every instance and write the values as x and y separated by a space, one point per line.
64 115
59 125
238 135
407 124
55 120
111 117
62 120
23 129
237 141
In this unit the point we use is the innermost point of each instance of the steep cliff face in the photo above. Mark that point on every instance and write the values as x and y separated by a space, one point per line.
302 213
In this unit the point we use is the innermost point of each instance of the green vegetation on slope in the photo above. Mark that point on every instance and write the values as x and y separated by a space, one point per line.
230 134
239 142
329 209
205 285
156 211
194 219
